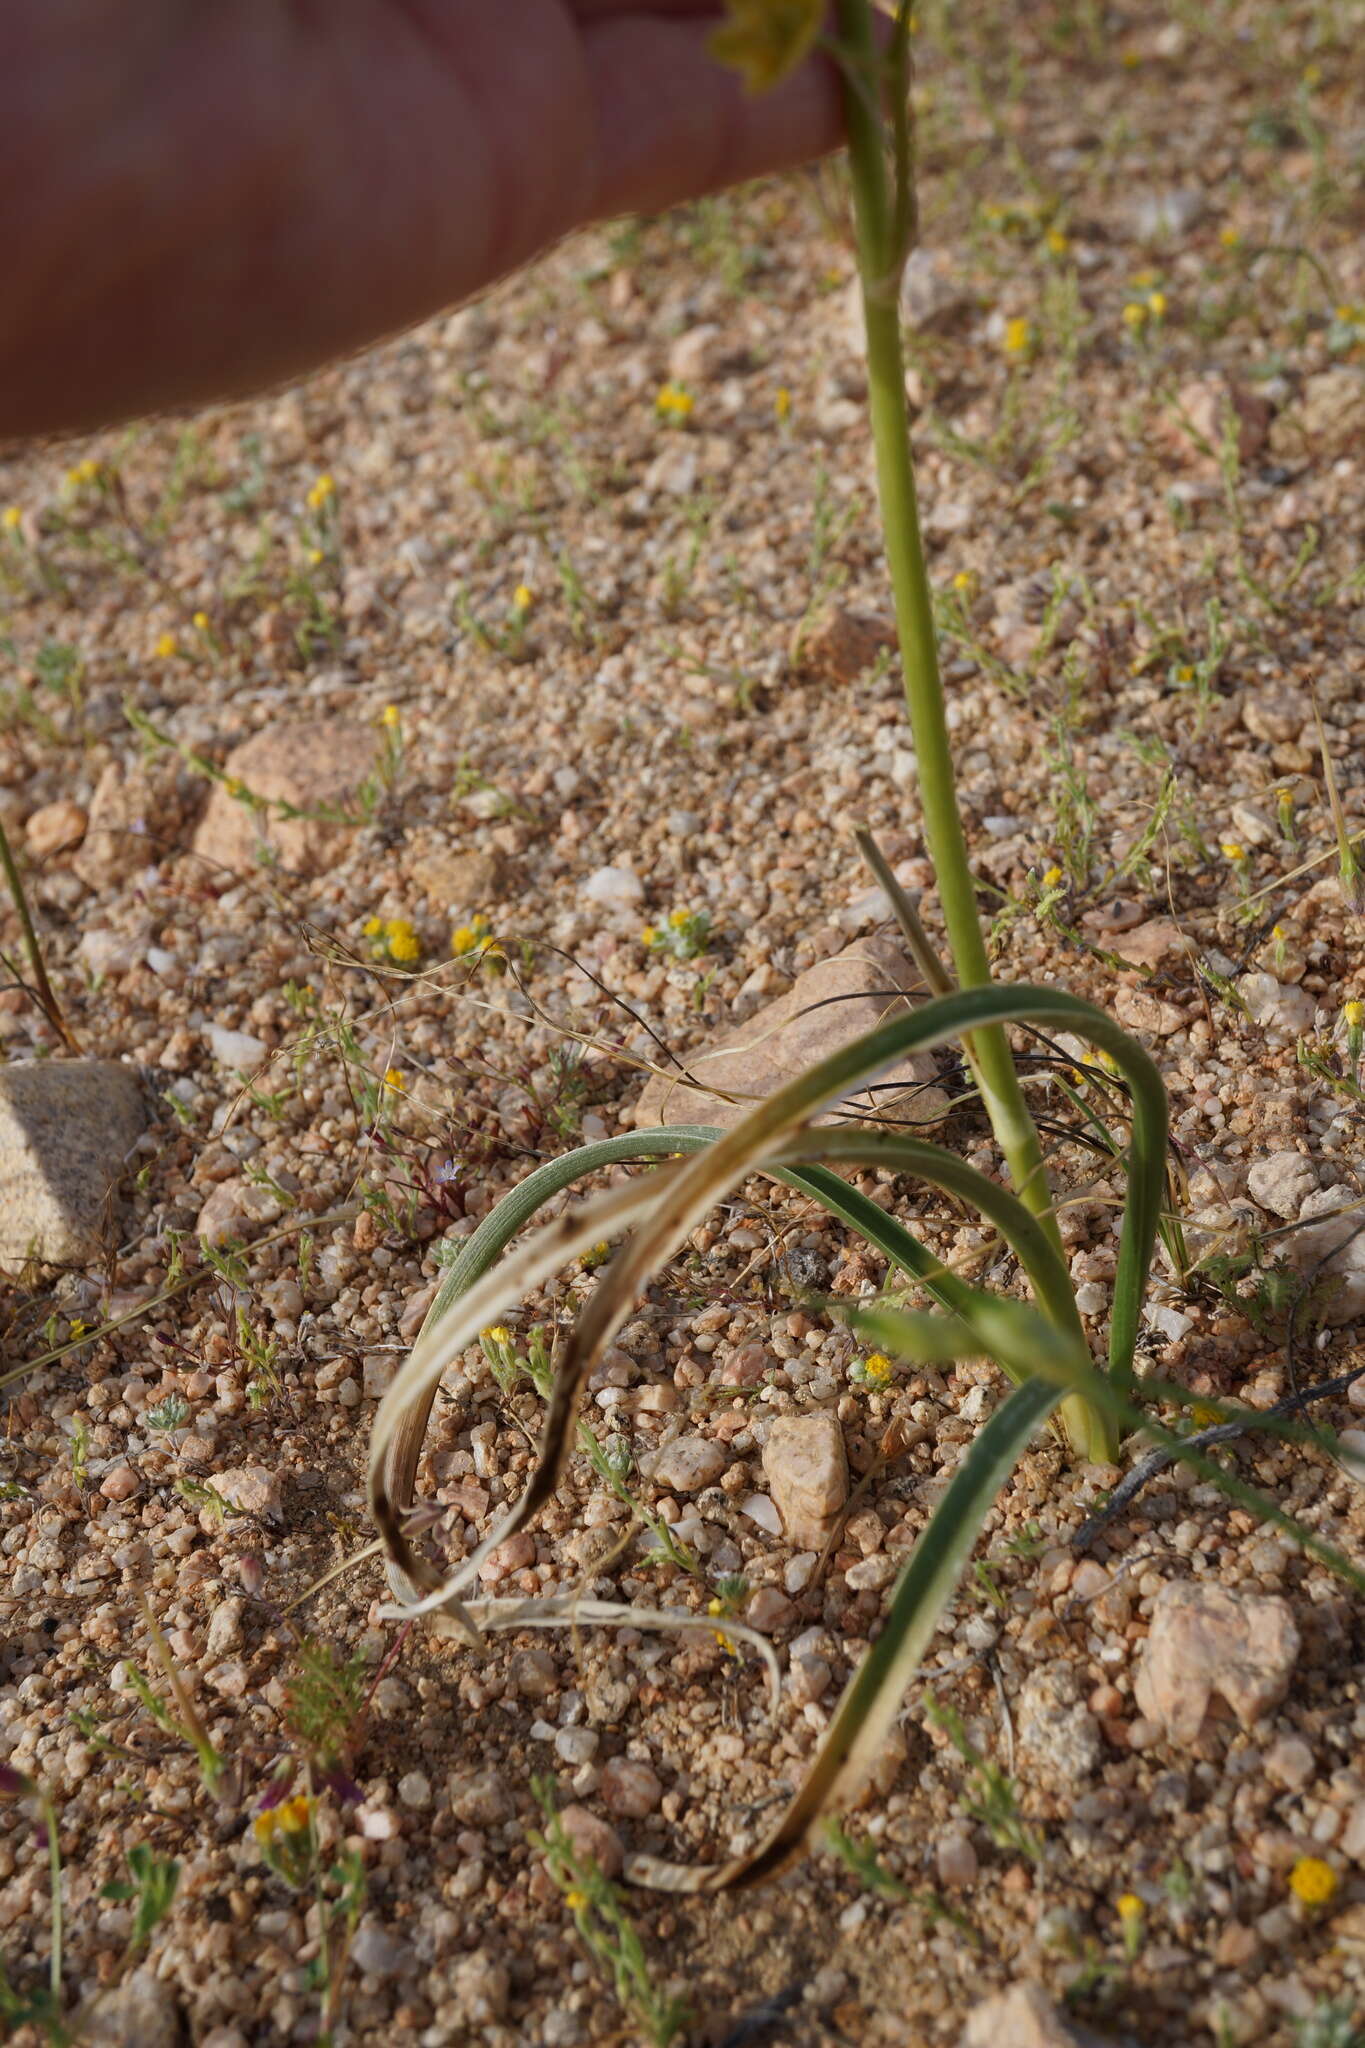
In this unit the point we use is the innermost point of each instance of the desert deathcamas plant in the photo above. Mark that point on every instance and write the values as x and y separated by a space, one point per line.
1041 1346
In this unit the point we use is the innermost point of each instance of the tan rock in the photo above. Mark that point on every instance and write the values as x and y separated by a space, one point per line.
55 829
1206 1639
66 1128
1197 422
136 817
317 767
1147 945
841 643
829 1005
462 884
807 1469
593 1837
1023 2017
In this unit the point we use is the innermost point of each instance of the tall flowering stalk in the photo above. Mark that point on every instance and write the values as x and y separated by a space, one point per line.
763 40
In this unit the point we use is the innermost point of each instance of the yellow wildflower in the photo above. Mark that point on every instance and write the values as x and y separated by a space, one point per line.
1312 75
84 473
648 935
372 927
764 40
167 646
522 598
964 583
1057 242
293 1817
1018 336
11 518
877 1369
1051 876
79 1327
575 1900
1185 673
234 786
1130 1907
403 942
1232 851
315 555
498 1333
782 404
1313 1882
390 716
322 491
393 1078
470 938
1353 1012
1230 237
1156 305
200 622
1134 314
674 402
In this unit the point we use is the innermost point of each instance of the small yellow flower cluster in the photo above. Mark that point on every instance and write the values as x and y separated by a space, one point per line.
496 1333
87 472
674 403
1230 237
965 582
393 1079
523 597
394 937
575 1899
782 404
1354 1013
1052 877
391 718
469 940
684 933
292 1817
11 518
1057 243
1149 307
1131 1912
322 492
1233 851
167 647
200 622
1313 1882
1017 339
872 1372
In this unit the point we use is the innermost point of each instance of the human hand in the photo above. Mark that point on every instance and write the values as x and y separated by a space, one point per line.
197 201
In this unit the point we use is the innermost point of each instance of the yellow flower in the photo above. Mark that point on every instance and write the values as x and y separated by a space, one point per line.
1156 303
11 518
393 1078
200 622
1134 314
167 646
471 937
1185 673
648 935
765 39
322 490
1312 74
234 786
1052 876
315 555
1232 851
403 942
372 927
79 1327
390 716
877 1369
498 1333
964 583
1018 336
1130 1907
1312 1881
522 598
1230 237
1353 1012
293 1817
1057 242
782 404
674 402
575 1900
84 472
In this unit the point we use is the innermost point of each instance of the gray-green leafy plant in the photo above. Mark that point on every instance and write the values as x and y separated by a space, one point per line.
1040 1345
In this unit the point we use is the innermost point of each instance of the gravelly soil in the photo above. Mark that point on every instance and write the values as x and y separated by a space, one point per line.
621 691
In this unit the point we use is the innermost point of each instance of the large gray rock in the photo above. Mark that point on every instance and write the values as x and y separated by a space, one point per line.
315 767
1330 1254
141 2013
826 1008
66 1128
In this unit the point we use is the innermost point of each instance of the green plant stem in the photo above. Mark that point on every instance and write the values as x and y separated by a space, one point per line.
881 256
46 996
54 1865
